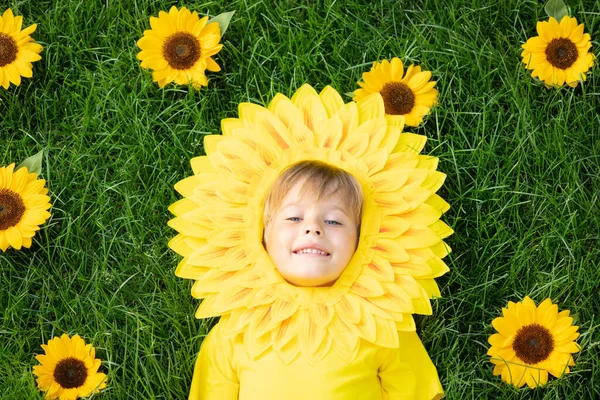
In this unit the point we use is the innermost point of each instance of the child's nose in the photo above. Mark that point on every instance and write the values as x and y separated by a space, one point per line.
313 227
316 231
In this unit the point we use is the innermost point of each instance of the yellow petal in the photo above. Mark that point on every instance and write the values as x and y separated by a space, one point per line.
391 203
397 69
355 144
13 74
8 19
321 314
208 256
366 327
349 117
430 287
415 266
282 310
315 115
285 332
391 250
366 286
415 238
348 308
410 142
331 99
14 238
393 226
387 334
257 345
226 237
348 344
332 136
310 335
212 66
370 108
380 269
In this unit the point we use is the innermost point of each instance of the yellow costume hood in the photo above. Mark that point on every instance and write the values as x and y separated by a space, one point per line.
400 250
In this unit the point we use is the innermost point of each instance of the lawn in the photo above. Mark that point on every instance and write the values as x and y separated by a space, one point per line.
522 164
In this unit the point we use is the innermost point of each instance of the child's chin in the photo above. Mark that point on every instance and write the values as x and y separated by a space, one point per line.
311 281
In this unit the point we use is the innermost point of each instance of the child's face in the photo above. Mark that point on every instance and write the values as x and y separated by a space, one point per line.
311 242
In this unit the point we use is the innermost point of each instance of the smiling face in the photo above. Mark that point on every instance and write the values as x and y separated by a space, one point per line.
311 240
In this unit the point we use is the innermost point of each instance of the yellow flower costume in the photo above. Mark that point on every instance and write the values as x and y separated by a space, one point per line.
356 336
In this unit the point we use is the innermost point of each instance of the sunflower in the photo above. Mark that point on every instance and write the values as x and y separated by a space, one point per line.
410 95
23 205
559 54
179 47
400 250
68 370
531 342
17 49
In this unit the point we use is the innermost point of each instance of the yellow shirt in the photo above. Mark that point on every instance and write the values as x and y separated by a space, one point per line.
224 371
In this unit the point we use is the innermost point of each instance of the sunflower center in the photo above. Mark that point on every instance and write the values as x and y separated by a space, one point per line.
398 98
533 344
181 50
561 53
8 49
12 209
70 373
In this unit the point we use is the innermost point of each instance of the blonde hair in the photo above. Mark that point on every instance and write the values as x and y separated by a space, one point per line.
319 180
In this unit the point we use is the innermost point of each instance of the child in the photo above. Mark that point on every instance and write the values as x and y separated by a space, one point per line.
312 219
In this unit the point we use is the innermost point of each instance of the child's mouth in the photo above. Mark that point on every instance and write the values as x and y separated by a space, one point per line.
311 251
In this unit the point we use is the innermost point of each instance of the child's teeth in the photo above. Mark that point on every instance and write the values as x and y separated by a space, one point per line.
312 251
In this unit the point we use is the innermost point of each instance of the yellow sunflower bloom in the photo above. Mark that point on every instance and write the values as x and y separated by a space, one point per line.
410 95
560 54
532 342
179 47
17 49
400 250
23 205
68 369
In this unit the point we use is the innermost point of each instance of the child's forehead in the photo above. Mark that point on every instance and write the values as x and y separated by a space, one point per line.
330 202
301 199
304 193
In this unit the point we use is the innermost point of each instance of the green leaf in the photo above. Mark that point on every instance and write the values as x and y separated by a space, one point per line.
33 163
223 21
556 9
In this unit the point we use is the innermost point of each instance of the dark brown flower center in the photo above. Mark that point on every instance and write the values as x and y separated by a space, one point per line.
8 49
561 53
12 209
70 373
533 344
181 50
398 98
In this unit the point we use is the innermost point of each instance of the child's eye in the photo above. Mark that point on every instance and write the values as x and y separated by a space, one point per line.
295 219
332 222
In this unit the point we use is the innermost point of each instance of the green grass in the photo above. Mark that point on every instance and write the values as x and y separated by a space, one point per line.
523 166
